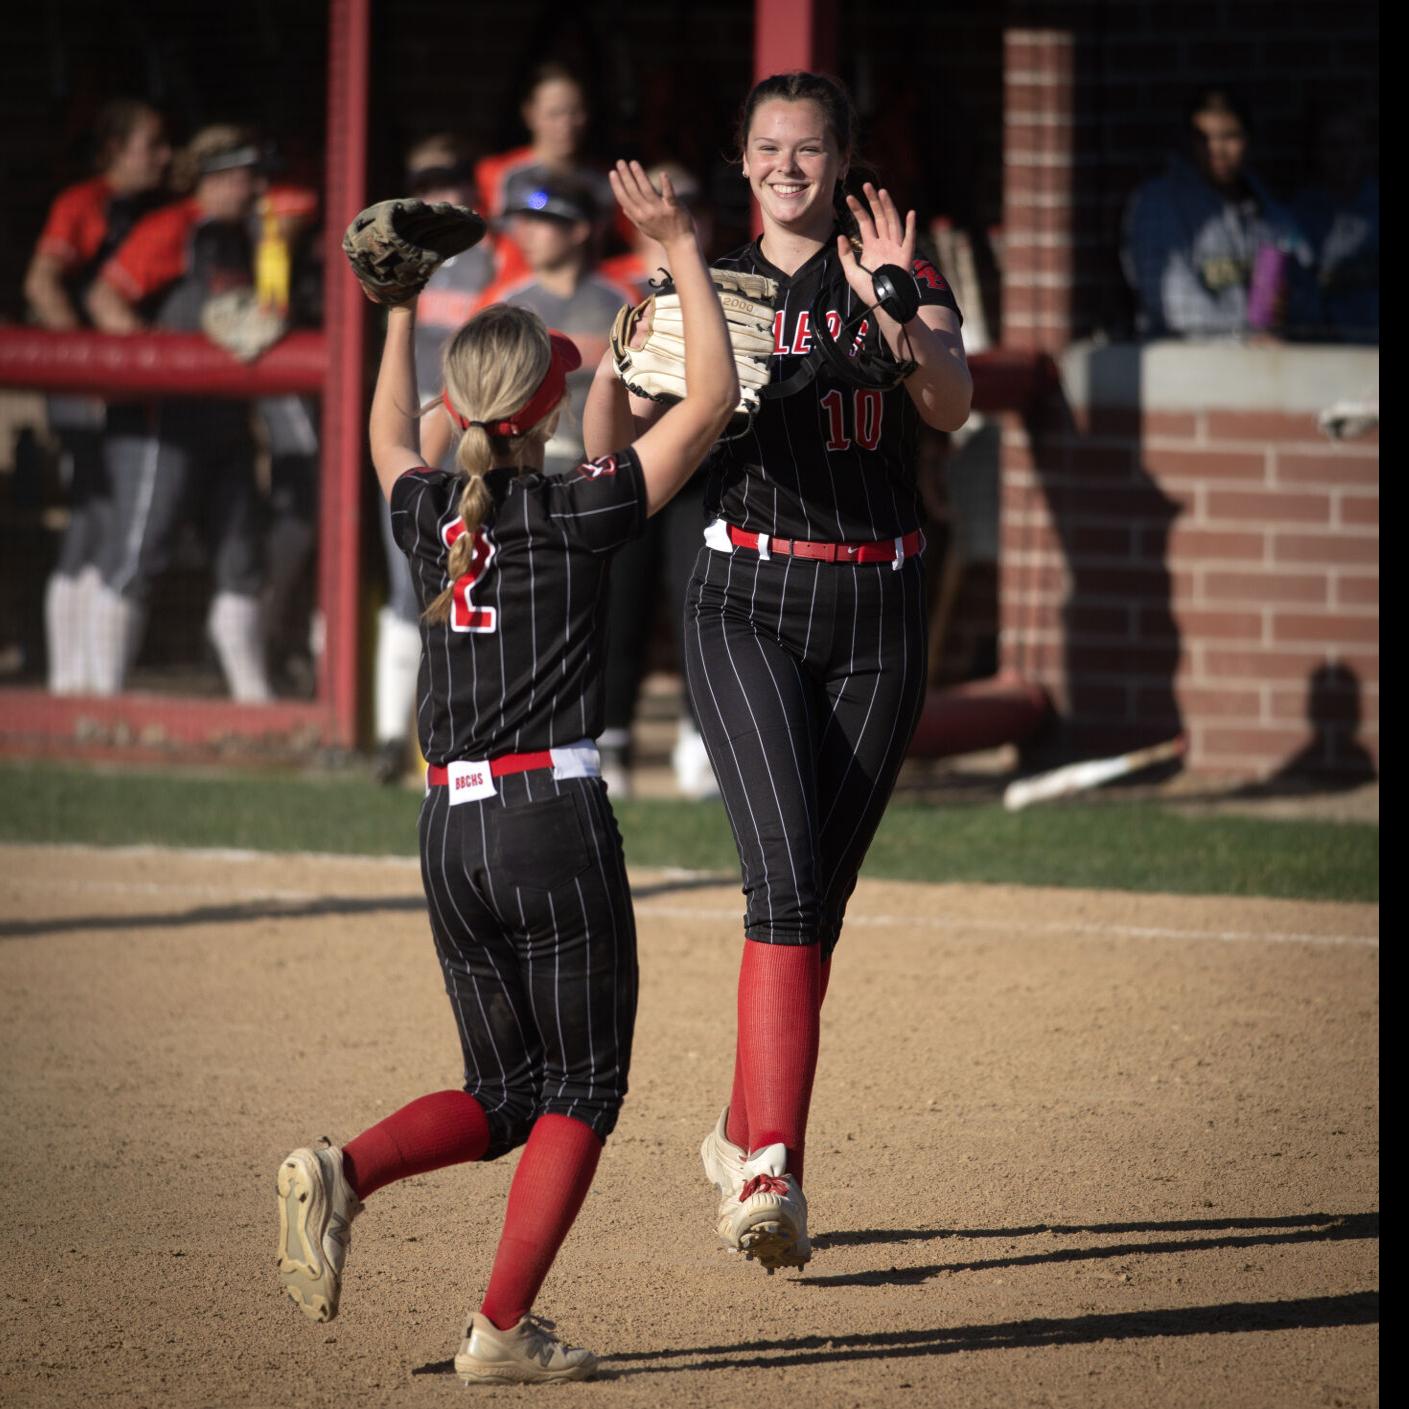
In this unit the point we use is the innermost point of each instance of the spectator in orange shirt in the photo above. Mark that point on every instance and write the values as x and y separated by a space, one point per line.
191 454
86 223
556 113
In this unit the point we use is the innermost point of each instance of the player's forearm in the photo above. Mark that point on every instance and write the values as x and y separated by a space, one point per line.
110 311
394 425
941 385
45 293
607 423
713 381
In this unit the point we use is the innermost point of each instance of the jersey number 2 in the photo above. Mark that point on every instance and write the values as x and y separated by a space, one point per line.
867 408
464 615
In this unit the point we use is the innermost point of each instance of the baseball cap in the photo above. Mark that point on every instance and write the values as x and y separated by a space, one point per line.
226 149
552 197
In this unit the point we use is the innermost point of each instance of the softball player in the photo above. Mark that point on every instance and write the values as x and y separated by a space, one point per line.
805 632
86 223
520 855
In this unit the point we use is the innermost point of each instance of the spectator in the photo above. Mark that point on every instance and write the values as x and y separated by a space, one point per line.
285 256
86 224
1193 235
555 112
437 169
183 454
1338 296
552 225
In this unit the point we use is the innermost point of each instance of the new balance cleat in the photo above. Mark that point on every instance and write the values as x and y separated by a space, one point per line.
527 1353
316 1209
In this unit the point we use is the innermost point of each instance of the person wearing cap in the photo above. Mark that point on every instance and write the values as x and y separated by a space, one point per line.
85 225
552 223
172 458
438 168
557 115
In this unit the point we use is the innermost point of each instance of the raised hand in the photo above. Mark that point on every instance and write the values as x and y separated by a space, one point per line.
656 214
885 239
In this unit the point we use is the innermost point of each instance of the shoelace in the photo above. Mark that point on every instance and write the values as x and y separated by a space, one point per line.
763 1184
542 1342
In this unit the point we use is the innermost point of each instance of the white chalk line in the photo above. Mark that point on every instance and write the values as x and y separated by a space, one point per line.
721 914
1021 929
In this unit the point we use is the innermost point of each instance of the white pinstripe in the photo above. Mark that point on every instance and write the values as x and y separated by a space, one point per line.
807 788
864 811
753 720
450 936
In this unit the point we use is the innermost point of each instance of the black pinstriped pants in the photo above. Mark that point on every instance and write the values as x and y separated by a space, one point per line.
807 680
531 914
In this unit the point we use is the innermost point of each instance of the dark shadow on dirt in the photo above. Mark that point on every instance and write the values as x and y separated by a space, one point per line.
1225 1318
1312 1229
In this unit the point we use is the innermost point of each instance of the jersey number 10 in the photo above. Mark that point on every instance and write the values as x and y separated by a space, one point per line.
867 407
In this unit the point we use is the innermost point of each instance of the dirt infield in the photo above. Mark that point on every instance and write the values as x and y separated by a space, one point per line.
1068 1148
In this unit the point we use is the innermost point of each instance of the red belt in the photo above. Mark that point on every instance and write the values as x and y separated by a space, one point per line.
884 550
506 763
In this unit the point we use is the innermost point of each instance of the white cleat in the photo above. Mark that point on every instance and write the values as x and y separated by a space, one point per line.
767 1218
316 1209
527 1353
723 1162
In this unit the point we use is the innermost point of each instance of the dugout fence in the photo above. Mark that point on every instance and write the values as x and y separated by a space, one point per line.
328 363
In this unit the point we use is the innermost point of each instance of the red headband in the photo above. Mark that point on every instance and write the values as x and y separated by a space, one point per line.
566 358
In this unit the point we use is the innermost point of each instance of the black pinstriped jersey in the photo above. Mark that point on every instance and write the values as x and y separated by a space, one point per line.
518 665
833 462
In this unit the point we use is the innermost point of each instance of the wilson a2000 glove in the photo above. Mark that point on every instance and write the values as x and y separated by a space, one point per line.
656 369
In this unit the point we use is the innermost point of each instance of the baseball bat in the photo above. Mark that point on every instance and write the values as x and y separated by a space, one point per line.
1078 777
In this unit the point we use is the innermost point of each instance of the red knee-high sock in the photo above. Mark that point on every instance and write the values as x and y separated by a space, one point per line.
737 1125
446 1127
552 1179
779 1003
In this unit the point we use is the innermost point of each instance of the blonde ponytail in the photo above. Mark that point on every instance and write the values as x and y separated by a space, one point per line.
491 367
473 458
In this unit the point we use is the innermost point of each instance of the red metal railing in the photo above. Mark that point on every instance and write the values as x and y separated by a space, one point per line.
328 363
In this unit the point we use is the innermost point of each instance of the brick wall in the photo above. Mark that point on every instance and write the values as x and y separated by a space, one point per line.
1172 565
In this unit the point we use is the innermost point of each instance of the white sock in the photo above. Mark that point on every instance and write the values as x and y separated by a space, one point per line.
233 626
115 626
398 661
63 630
90 583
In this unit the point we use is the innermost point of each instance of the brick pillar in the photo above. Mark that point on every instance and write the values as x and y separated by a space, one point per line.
1038 197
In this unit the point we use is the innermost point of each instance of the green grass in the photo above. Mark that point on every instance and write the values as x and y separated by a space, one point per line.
1141 846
